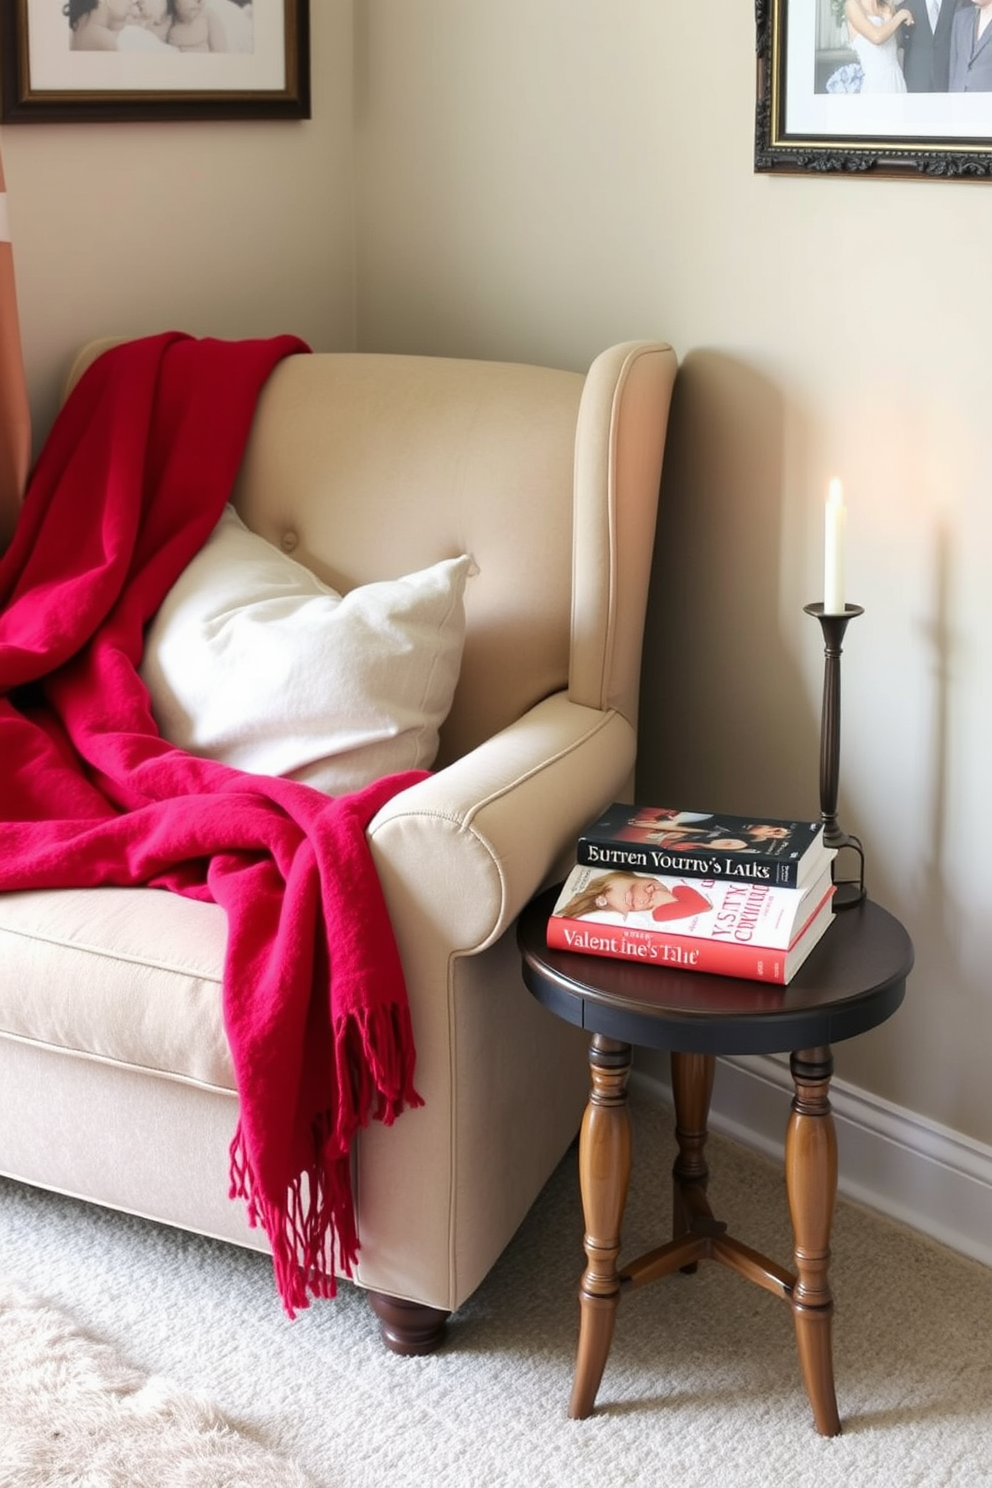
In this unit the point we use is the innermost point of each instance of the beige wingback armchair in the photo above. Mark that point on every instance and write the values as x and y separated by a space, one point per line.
116 1083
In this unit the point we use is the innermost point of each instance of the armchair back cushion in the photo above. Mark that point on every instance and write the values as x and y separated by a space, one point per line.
461 465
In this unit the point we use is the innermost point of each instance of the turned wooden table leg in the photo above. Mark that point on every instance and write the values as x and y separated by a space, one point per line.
604 1174
811 1182
692 1091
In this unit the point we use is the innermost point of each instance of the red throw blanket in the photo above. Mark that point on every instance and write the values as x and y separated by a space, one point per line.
131 481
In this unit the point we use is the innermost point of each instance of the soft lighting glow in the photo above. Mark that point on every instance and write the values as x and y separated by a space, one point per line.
833 550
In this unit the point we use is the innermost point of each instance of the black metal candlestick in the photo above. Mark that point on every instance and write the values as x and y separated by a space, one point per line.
849 891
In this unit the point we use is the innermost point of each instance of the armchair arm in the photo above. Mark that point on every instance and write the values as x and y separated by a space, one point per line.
463 851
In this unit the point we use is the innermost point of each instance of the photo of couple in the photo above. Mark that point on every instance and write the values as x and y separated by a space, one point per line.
159 25
917 46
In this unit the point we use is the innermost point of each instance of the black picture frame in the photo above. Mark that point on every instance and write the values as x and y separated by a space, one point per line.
803 126
44 82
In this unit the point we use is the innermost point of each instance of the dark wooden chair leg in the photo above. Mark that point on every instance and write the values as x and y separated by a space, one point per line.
408 1327
811 1182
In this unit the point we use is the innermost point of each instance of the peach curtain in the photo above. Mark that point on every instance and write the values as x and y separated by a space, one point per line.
15 418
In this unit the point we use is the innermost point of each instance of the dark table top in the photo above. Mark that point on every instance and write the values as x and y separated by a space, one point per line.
852 980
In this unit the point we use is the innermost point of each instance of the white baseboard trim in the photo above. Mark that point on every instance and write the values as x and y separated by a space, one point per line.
892 1160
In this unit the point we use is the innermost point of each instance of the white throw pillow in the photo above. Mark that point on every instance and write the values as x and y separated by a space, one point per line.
253 661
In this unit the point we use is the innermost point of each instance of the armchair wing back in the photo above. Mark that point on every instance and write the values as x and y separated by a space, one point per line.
117 1086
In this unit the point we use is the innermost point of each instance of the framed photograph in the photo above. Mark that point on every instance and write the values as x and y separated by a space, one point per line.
918 102
79 61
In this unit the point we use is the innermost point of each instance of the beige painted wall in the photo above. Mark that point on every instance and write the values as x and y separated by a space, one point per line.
240 229
540 178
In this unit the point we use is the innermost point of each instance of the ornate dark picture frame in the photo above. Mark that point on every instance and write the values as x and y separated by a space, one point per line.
806 122
43 81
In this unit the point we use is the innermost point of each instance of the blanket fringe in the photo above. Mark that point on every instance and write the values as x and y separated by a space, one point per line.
312 1233
312 1229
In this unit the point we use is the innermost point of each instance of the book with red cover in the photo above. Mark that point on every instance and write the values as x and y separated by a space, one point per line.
756 931
694 844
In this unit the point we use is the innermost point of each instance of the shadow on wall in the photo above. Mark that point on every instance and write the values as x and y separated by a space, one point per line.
952 934
725 724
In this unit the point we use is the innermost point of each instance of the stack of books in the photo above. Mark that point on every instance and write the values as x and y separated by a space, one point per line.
695 891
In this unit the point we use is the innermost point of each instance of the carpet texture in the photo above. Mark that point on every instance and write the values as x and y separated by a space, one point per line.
701 1390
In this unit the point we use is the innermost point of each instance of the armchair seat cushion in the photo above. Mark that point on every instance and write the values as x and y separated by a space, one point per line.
133 977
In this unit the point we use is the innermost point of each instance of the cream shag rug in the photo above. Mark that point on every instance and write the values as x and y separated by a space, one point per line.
73 1415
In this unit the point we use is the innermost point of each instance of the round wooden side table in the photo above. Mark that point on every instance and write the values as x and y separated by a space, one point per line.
853 980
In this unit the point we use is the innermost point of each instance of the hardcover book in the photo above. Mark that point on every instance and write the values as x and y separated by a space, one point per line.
742 929
692 844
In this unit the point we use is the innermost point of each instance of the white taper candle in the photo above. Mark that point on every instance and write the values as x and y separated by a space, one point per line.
833 551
